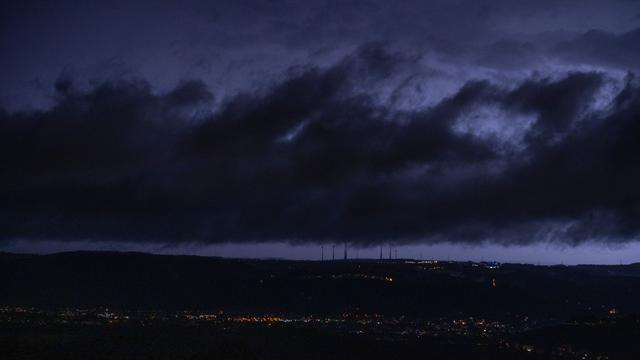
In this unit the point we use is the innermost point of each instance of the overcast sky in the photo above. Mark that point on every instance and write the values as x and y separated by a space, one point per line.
266 128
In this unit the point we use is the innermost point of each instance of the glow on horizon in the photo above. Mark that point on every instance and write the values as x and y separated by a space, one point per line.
540 253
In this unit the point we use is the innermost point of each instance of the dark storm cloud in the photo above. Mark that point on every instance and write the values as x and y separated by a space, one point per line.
314 157
456 120
556 103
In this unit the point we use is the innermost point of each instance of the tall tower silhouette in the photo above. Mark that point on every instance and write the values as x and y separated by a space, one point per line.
333 252
322 256
345 251
380 252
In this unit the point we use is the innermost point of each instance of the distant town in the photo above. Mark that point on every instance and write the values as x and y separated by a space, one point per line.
445 308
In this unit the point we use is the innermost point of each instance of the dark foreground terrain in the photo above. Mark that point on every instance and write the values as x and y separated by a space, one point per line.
137 306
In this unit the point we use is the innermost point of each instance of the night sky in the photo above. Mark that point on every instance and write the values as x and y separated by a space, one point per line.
455 129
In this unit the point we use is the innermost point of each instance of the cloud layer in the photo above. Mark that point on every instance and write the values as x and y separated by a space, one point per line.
234 45
319 156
